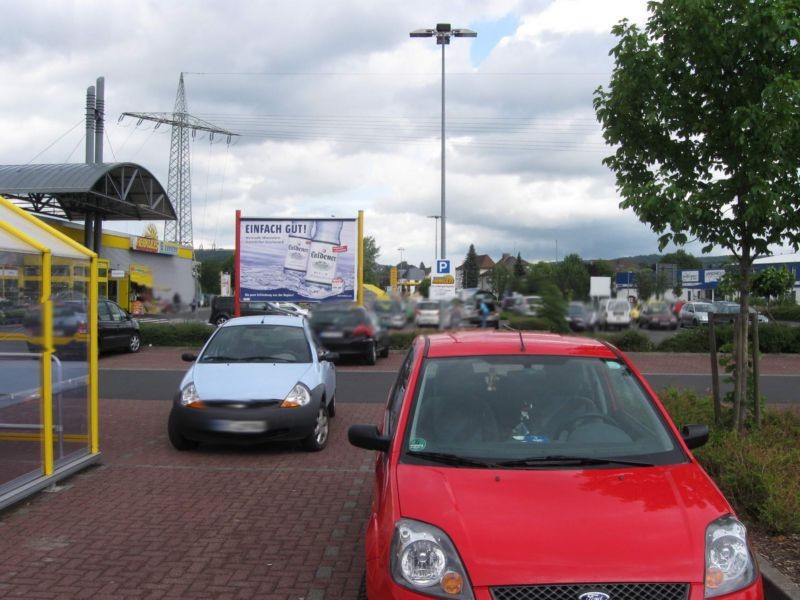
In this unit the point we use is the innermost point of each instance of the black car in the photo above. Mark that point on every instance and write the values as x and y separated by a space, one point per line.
222 309
116 329
350 330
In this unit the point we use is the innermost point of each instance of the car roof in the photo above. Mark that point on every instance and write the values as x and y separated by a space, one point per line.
288 320
481 343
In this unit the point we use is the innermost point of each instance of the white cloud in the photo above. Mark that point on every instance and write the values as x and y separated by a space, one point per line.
341 112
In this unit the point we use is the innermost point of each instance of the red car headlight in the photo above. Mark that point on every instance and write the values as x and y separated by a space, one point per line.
425 560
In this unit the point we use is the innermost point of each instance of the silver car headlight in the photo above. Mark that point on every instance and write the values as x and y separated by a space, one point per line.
190 397
425 560
297 396
729 565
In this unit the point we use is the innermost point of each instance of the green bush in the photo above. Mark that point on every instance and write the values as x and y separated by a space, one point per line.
628 341
529 323
785 312
772 338
192 334
759 471
401 340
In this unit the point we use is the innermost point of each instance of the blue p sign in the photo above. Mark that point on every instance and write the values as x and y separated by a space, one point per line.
443 266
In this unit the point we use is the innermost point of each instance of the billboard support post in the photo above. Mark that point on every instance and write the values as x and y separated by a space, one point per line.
237 272
360 292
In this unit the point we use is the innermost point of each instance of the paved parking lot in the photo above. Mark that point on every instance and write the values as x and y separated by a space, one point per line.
270 522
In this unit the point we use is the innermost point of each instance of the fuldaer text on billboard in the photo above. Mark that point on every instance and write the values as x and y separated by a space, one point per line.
298 260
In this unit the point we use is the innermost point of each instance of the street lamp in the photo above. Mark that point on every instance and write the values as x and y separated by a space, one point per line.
435 236
401 254
443 33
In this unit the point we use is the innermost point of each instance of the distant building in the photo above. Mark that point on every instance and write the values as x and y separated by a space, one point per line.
485 265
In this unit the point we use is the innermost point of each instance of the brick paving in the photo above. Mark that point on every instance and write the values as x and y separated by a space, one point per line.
223 522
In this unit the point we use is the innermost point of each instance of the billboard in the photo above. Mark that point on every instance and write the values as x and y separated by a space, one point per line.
443 282
298 260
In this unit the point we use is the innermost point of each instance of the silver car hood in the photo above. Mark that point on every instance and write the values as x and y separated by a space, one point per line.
246 381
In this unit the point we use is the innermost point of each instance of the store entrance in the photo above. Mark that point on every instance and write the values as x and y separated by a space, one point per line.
113 291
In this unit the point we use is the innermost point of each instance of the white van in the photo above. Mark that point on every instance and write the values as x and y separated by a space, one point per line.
614 314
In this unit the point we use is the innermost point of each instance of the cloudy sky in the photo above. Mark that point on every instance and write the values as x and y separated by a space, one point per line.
338 109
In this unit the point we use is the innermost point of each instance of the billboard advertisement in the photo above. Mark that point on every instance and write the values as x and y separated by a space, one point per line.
298 260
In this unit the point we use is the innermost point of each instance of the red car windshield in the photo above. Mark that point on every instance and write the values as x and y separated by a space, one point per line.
520 407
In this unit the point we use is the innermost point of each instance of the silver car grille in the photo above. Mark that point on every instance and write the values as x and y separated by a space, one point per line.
615 591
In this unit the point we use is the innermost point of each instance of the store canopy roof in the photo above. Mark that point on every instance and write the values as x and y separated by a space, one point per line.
115 191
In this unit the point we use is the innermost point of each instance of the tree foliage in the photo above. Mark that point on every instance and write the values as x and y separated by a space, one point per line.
471 269
371 252
702 108
682 259
772 282
645 280
572 278
502 279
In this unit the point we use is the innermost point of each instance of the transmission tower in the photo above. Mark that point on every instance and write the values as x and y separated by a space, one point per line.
179 184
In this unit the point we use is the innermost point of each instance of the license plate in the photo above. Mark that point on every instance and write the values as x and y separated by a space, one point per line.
331 334
240 426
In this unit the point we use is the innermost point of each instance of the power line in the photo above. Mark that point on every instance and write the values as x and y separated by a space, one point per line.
58 139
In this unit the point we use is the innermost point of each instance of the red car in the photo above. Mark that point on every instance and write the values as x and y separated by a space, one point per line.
524 466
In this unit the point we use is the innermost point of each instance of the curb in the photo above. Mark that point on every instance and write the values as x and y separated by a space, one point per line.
776 585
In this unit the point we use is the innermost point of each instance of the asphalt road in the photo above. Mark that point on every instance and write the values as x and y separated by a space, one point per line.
373 386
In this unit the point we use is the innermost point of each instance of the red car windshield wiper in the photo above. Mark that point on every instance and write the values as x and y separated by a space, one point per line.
558 460
453 459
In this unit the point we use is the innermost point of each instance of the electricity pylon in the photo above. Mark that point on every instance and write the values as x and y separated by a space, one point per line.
179 184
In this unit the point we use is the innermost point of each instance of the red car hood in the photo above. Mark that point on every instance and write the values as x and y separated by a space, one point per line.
546 526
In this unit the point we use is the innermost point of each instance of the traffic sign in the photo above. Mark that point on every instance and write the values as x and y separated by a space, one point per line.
443 266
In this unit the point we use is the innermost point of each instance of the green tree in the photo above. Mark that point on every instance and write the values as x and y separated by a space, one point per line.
702 109
645 281
773 283
572 278
502 279
682 259
678 289
371 252
554 308
424 287
601 268
471 269
539 274
209 276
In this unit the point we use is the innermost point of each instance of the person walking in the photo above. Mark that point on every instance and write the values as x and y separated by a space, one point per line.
484 310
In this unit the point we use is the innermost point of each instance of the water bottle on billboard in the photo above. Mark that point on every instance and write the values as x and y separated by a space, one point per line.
321 268
298 245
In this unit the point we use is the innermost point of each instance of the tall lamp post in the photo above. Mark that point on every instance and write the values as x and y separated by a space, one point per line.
443 33
435 236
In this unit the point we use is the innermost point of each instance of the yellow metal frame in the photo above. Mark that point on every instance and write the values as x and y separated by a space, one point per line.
47 330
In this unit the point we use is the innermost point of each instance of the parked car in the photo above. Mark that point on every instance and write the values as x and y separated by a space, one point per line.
581 317
350 330
528 306
433 313
117 329
468 304
492 441
222 309
256 379
726 312
293 308
695 313
657 315
391 313
614 314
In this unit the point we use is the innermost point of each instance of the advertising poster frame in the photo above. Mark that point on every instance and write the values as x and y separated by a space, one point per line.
298 259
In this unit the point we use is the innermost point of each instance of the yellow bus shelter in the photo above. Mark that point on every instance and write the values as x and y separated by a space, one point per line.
48 356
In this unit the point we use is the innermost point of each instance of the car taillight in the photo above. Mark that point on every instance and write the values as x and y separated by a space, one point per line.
364 330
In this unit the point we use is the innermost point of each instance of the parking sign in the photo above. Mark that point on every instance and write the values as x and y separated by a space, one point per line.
443 267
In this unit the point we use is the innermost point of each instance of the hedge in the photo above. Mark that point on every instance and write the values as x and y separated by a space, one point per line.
190 334
773 338
758 471
788 312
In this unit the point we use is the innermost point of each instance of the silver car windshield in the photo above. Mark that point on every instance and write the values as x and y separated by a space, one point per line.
258 343
518 407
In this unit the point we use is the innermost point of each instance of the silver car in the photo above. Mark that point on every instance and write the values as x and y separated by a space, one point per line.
257 379
695 313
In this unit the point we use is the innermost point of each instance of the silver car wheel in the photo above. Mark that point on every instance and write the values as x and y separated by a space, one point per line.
321 428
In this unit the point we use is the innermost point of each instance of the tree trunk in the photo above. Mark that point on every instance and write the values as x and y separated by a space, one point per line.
712 343
756 374
745 265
